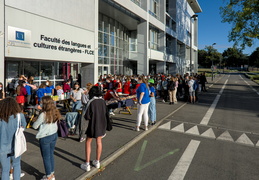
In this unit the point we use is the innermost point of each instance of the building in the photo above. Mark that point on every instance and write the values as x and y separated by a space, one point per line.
58 39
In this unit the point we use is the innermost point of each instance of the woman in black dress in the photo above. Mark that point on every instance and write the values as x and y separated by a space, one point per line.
96 113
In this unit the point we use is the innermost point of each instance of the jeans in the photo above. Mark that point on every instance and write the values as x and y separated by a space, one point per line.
76 105
142 110
152 109
47 146
6 164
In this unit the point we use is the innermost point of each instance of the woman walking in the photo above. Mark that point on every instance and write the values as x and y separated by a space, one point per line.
143 102
47 135
9 114
96 113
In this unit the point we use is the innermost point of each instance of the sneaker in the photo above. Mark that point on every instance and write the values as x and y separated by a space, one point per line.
96 164
85 166
82 139
136 129
163 101
146 128
11 175
46 178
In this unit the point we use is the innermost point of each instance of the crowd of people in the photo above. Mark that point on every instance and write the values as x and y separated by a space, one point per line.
93 101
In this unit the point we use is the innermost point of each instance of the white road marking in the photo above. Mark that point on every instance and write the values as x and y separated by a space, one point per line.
165 126
179 128
209 134
210 111
183 164
250 85
194 130
243 139
226 137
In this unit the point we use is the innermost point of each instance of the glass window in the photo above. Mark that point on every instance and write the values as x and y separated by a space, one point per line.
106 61
106 51
100 60
31 68
47 70
105 38
100 37
112 40
112 51
100 50
106 24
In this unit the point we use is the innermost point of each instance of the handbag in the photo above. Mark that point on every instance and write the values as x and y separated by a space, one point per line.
20 145
62 128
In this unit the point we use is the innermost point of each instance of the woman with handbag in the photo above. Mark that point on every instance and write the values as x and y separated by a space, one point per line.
97 114
47 135
10 113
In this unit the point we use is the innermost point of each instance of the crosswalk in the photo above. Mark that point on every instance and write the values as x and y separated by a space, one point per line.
216 133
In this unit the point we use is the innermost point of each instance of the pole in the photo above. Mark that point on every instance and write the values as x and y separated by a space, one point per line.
212 66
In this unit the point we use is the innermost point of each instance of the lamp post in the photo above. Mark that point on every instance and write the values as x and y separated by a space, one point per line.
212 66
194 17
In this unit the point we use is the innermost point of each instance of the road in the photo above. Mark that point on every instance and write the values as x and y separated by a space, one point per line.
214 139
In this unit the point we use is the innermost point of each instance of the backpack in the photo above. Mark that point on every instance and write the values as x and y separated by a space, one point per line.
195 85
62 129
172 86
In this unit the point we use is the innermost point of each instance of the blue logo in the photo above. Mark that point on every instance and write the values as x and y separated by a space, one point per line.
19 35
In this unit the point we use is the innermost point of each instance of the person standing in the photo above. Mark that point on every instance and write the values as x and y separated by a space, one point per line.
21 93
191 90
49 88
143 102
41 92
203 80
96 114
76 96
9 110
152 105
47 135
127 85
2 93
171 89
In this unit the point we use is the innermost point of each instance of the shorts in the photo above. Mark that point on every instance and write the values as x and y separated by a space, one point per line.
192 93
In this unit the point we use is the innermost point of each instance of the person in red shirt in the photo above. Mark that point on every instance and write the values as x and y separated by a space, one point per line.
21 93
126 87
109 95
66 86
119 86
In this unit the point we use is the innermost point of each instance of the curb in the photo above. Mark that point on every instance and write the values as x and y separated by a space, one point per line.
124 148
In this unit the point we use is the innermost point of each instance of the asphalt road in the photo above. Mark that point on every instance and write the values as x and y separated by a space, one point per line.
214 139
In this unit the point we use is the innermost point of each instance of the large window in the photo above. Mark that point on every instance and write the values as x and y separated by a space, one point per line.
138 2
154 8
133 41
153 39
113 44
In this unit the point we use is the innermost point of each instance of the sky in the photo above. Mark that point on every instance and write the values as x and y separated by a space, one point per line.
212 30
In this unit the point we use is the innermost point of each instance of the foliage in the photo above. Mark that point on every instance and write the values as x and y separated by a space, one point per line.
244 17
254 58
207 56
234 57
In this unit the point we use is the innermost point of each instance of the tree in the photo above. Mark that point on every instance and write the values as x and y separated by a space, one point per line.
254 58
234 57
244 16
207 56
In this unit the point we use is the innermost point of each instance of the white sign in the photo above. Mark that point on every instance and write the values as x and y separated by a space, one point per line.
19 37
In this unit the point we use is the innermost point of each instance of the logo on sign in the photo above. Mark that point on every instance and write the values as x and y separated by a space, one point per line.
19 35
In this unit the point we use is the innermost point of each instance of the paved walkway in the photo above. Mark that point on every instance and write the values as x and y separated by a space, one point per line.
70 153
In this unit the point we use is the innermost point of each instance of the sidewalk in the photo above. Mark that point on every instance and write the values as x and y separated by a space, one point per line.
70 153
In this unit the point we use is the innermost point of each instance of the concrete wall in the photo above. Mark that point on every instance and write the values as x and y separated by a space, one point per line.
66 11
2 67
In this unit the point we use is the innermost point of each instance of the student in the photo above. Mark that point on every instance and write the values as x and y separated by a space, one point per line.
21 93
47 135
9 109
143 102
96 114
2 93
49 88
76 96
152 105
41 92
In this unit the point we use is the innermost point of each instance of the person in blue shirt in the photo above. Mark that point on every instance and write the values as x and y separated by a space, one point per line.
152 105
9 110
143 102
49 88
41 92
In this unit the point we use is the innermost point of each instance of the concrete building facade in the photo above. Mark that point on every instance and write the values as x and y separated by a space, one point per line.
55 40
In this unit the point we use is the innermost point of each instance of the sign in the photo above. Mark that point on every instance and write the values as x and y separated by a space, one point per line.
19 37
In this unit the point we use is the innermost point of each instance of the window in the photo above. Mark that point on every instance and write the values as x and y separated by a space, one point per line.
138 2
153 39
133 41
154 8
